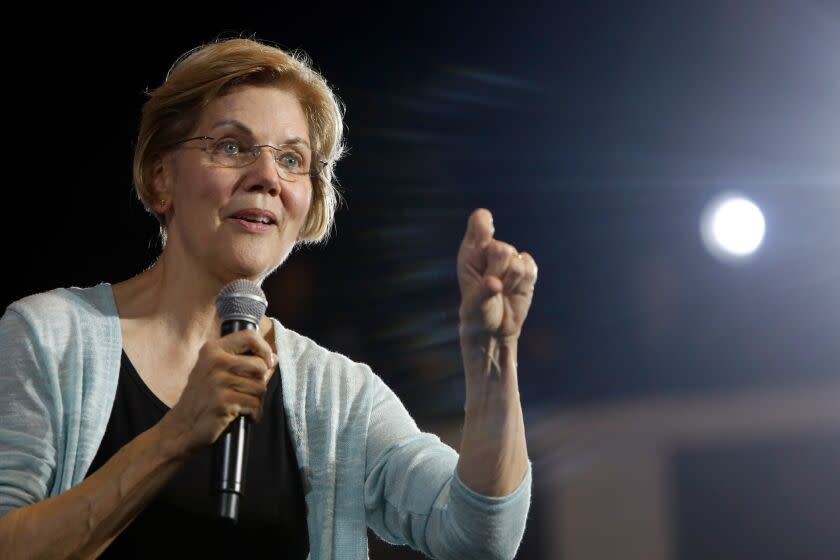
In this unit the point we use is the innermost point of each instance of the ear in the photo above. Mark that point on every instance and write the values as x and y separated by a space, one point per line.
161 185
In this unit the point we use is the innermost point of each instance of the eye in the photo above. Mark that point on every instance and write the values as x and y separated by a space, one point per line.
291 160
228 147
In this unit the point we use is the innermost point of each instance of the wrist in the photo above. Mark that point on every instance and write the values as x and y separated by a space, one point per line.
487 355
171 438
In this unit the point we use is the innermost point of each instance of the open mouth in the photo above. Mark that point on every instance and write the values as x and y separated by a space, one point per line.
254 218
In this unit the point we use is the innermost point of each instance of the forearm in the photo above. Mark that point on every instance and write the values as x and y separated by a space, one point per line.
493 455
83 521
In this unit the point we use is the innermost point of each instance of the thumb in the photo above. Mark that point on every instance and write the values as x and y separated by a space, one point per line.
480 227
472 256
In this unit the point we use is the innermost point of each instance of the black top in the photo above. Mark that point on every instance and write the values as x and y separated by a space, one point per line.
182 519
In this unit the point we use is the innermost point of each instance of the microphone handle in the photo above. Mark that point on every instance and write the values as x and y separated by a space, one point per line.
231 451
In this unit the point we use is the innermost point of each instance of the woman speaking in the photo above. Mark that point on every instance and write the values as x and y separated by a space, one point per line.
112 396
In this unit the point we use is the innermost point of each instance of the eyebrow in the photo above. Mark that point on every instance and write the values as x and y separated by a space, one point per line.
238 125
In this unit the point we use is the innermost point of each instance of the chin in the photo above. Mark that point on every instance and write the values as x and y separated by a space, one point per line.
256 269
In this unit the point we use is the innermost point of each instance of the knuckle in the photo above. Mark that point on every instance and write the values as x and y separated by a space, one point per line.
256 367
250 335
219 358
209 352
218 377
498 248
219 409
506 248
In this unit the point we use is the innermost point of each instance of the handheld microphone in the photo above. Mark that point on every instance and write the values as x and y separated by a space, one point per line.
240 305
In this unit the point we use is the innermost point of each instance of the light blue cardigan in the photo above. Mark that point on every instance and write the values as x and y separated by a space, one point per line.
362 458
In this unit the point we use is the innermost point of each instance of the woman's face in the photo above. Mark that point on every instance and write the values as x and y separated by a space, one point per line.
209 208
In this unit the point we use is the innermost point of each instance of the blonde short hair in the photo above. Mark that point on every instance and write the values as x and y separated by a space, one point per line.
209 71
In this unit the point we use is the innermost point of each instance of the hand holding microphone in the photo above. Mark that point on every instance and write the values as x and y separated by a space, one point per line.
225 389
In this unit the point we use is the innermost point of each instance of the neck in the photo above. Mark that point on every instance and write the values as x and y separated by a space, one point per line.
177 298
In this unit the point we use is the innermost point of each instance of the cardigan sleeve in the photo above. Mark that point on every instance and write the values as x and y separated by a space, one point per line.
27 416
413 495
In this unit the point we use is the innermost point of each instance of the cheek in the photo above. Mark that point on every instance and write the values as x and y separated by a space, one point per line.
208 193
299 200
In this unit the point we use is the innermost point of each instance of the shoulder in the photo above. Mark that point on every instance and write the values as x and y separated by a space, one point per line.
319 367
95 300
67 312
307 353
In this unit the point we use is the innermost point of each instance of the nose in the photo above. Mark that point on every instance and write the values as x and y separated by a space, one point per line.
264 172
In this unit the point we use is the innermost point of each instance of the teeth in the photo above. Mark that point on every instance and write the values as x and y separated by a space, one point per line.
261 219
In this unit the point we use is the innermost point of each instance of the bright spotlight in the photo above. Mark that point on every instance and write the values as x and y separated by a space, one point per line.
732 227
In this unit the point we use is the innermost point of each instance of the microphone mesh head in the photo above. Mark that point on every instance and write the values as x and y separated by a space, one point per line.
241 299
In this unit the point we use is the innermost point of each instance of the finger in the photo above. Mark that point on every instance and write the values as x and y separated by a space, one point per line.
514 274
254 386
246 365
245 386
499 255
528 279
245 405
248 341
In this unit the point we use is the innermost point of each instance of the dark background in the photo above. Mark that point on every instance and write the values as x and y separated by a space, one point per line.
594 131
